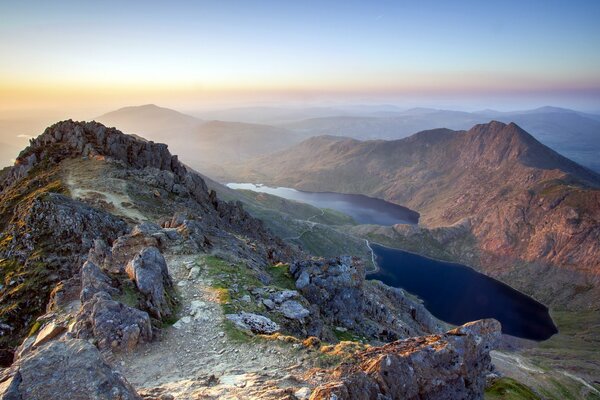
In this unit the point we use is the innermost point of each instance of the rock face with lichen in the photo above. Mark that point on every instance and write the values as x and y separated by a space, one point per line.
59 370
447 366
338 289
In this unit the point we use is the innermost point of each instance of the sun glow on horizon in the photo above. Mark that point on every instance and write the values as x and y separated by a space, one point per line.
76 53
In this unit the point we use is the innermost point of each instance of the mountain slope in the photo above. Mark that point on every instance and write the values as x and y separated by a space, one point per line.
522 201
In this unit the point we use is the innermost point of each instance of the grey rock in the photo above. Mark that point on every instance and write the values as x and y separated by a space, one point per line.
253 322
72 369
284 295
149 271
93 280
194 273
303 280
114 325
293 310
269 304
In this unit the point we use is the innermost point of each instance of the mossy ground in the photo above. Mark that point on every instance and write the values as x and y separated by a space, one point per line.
234 283
509 389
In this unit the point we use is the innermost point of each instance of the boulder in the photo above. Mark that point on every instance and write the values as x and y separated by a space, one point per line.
114 325
148 269
72 369
253 322
293 310
284 295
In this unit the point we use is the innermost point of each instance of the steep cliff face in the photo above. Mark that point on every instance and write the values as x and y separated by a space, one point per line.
522 202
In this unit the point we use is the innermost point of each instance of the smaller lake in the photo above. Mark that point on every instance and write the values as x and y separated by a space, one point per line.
363 209
457 294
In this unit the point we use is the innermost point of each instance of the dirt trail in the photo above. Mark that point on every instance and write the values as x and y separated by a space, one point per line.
196 359
90 182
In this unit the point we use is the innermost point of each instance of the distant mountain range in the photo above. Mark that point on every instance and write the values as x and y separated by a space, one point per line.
204 145
573 134
210 139
521 201
242 133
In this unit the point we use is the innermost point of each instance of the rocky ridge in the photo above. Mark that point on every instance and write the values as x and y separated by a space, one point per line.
95 225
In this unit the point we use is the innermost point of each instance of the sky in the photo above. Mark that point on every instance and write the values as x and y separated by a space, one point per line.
455 54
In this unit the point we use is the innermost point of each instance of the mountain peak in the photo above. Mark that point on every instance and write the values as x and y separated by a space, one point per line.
73 139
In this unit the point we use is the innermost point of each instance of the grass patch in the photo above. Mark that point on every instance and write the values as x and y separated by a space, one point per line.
34 328
282 277
509 389
128 296
237 335
348 336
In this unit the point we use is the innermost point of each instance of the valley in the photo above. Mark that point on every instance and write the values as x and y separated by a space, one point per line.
448 234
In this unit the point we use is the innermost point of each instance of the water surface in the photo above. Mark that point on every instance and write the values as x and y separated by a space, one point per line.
363 209
457 294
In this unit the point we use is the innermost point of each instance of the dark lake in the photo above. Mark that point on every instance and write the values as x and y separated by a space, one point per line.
363 209
457 294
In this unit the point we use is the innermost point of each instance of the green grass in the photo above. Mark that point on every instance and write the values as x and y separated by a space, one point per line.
349 336
129 295
237 335
282 277
293 208
509 389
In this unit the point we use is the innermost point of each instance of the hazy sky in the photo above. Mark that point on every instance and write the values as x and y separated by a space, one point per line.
476 54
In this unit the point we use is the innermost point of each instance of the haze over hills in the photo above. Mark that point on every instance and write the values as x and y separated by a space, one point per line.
198 140
520 201
204 145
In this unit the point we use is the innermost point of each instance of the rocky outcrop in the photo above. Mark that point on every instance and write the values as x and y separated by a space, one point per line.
342 297
148 269
44 244
113 325
453 365
72 369
93 281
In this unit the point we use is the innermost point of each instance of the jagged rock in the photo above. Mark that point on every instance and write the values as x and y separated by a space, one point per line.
335 285
93 280
72 369
303 280
269 304
51 236
149 271
453 365
293 310
127 247
337 289
253 322
114 325
48 332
